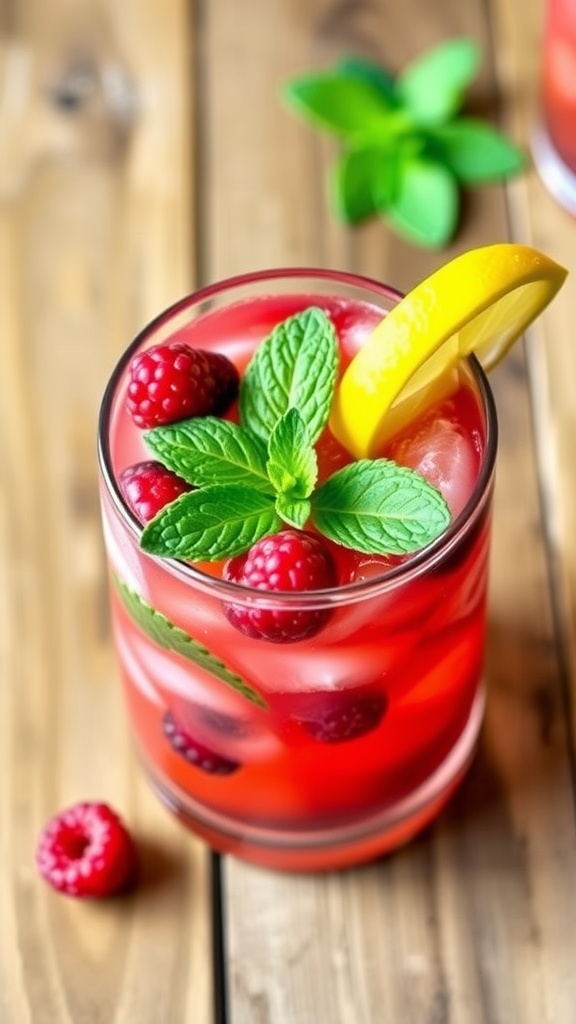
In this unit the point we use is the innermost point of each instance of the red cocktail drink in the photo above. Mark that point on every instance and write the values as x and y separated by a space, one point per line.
334 743
555 140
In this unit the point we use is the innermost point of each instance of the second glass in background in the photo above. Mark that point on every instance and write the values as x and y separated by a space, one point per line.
554 142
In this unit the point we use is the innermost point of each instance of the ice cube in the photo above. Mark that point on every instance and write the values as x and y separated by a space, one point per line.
446 456
181 685
337 668
134 669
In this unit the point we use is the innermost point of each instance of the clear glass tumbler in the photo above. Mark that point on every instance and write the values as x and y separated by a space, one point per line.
554 142
335 748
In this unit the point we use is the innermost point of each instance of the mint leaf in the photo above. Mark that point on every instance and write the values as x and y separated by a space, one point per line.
347 105
378 507
295 366
292 463
433 86
374 74
404 149
164 633
210 524
475 152
292 468
206 450
364 182
294 511
425 206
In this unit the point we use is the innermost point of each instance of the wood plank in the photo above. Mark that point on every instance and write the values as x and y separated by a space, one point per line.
95 236
263 174
466 923
539 220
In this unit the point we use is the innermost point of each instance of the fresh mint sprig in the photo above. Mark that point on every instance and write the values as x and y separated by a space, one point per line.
211 523
377 507
292 464
292 468
207 450
295 368
166 634
406 149
252 477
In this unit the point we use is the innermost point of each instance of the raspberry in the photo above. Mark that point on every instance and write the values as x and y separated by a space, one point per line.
289 561
226 725
336 718
86 851
148 486
193 751
172 381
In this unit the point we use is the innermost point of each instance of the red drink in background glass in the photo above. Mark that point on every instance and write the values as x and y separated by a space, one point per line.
554 143
334 749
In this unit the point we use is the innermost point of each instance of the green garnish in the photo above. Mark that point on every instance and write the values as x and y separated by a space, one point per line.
295 368
405 149
253 477
208 450
292 464
375 506
164 633
211 523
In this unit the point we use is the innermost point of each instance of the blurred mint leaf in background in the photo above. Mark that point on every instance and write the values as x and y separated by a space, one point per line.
432 88
475 152
364 182
426 204
368 71
406 151
344 104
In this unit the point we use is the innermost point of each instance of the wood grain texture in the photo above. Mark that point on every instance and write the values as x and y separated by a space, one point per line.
95 235
467 923
144 148
551 351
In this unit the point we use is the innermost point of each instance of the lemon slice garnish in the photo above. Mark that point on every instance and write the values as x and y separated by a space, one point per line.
480 302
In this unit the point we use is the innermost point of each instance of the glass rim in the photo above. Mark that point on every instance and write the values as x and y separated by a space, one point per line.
416 564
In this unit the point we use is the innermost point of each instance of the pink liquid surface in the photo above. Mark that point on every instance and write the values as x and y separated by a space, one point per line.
408 656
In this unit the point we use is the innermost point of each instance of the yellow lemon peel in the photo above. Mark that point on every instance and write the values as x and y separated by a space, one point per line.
480 302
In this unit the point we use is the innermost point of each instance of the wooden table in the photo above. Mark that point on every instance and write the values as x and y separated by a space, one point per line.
144 150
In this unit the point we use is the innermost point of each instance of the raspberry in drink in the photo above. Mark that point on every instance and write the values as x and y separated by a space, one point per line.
303 694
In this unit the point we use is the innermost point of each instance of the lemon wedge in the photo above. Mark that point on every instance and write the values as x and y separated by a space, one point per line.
480 302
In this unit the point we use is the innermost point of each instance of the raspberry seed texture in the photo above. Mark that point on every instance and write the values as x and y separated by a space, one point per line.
173 381
290 561
86 851
193 751
340 717
149 486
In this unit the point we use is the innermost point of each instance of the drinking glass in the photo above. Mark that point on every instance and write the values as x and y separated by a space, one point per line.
554 143
333 749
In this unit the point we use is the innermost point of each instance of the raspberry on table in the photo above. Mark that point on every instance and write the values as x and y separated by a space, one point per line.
290 561
193 751
149 486
339 717
86 851
172 381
